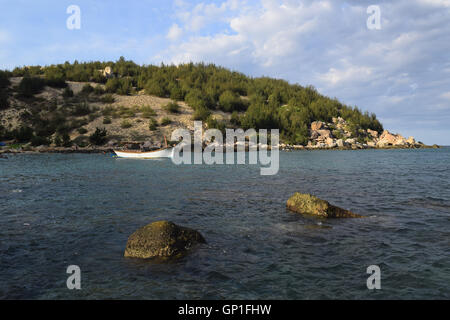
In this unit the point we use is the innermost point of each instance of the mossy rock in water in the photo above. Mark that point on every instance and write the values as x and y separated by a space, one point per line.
161 239
308 204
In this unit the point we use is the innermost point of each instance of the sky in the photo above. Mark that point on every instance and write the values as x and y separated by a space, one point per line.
400 70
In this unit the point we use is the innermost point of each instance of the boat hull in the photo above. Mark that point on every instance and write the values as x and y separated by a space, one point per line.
164 153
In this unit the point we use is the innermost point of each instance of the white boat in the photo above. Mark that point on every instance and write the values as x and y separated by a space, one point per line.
161 153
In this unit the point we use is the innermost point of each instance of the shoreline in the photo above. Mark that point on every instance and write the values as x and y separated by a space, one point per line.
105 150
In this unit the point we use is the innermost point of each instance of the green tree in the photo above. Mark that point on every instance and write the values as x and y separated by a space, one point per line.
98 137
4 79
201 113
55 77
112 85
67 93
154 87
4 101
30 86
172 107
230 101
23 134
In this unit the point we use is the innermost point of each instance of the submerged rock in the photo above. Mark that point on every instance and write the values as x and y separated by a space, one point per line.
308 204
161 239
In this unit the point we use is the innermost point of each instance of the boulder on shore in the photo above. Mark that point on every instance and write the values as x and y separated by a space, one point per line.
161 239
316 125
308 204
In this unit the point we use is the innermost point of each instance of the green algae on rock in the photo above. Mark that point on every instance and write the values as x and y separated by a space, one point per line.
161 239
308 204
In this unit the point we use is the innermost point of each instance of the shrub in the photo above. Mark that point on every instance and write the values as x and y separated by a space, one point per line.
126 124
98 137
4 79
30 86
107 120
23 134
148 112
201 114
212 123
93 116
108 111
4 102
62 128
82 130
125 87
155 88
63 140
112 85
67 93
165 121
58 141
107 98
176 93
98 90
81 109
235 119
172 107
56 82
77 123
55 77
81 141
153 124
197 99
125 112
229 102
337 134
39 141
87 89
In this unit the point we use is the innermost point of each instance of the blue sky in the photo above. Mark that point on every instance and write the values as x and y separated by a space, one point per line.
401 71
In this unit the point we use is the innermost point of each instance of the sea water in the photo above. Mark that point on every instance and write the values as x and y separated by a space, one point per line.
75 209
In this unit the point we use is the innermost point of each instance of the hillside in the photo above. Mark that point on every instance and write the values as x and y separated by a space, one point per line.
98 103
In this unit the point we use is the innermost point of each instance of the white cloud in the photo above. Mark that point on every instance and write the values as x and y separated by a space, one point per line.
347 74
436 3
202 14
207 48
398 71
175 32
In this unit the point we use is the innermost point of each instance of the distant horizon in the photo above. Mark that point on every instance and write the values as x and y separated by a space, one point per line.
398 69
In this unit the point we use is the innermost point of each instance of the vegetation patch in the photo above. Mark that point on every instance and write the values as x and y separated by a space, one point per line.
147 112
172 107
107 98
98 138
165 121
153 124
126 124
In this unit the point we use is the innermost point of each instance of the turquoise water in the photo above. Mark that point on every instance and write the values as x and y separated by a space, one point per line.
61 210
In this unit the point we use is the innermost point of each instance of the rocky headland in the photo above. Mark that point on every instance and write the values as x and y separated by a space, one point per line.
51 110
337 135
